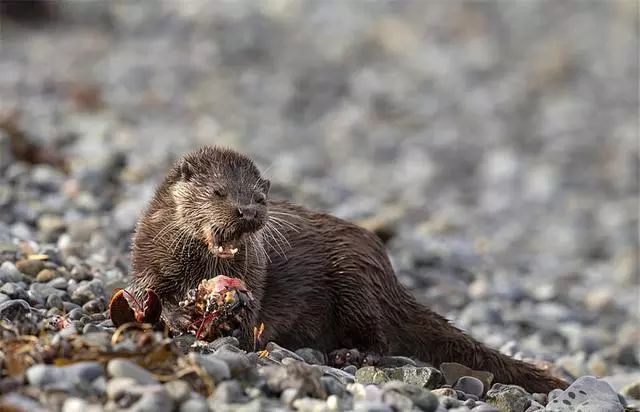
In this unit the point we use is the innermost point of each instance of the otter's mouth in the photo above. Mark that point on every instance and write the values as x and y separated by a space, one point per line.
220 247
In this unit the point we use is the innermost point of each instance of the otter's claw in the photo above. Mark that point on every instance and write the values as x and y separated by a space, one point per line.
340 358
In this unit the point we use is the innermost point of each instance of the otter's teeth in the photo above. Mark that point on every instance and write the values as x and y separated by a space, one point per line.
220 249
234 250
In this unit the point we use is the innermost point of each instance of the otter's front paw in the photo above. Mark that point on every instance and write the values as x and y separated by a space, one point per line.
340 358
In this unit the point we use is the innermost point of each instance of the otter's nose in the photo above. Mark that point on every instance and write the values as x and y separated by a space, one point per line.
247 212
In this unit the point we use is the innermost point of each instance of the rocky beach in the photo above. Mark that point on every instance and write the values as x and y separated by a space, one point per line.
493 147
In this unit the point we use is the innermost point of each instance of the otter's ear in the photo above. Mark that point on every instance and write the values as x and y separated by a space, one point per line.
186 171
266 185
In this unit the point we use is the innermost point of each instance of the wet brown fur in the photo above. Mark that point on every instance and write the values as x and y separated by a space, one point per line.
317 280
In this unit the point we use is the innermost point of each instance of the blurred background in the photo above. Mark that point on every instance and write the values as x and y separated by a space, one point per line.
492 145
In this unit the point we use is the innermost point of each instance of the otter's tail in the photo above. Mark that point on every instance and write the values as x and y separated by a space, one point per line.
437 341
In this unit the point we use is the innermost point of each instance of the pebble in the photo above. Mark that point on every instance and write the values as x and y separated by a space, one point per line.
484 407
422 398
9 273
588 394
238 363
312 356
18 402
223 341
229 391
45 275
80 405
508 398
397 401
453 371
30 267
366 406
194 404
309 405
470 385
122 368
217 368
279 353
45 376
178 390
445 392
333 386
12 309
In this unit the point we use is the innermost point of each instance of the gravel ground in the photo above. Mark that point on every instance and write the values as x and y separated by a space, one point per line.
494 145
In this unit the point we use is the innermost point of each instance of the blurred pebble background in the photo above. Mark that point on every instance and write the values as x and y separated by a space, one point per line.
493 145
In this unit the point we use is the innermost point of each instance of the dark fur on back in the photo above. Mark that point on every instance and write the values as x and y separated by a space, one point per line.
318 281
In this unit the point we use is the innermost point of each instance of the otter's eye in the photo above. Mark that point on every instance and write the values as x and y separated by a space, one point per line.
219 192
260 198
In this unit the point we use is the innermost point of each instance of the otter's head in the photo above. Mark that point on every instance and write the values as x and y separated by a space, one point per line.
220 198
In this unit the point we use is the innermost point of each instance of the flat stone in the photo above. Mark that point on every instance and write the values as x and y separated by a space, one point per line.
216 368
371 375
122 368
178 390
470 385
425 377
11 309
195 404
588 394
44 376
453 371
508 398
9 273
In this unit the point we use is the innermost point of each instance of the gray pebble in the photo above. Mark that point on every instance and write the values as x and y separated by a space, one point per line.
10 289
195 404
470 385
76 314
289 395
94 306
223 341
55 301
47 375
45 290
91 328
333 386
122 368
238 363
484 407
116 387
508 397
397 401
279 353
229 391
11 309
366 406
151 399
312 356
80 405
178 390
588 394
217 368
9 273
58 283
18 402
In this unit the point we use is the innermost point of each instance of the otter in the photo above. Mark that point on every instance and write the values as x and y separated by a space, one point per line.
317 280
